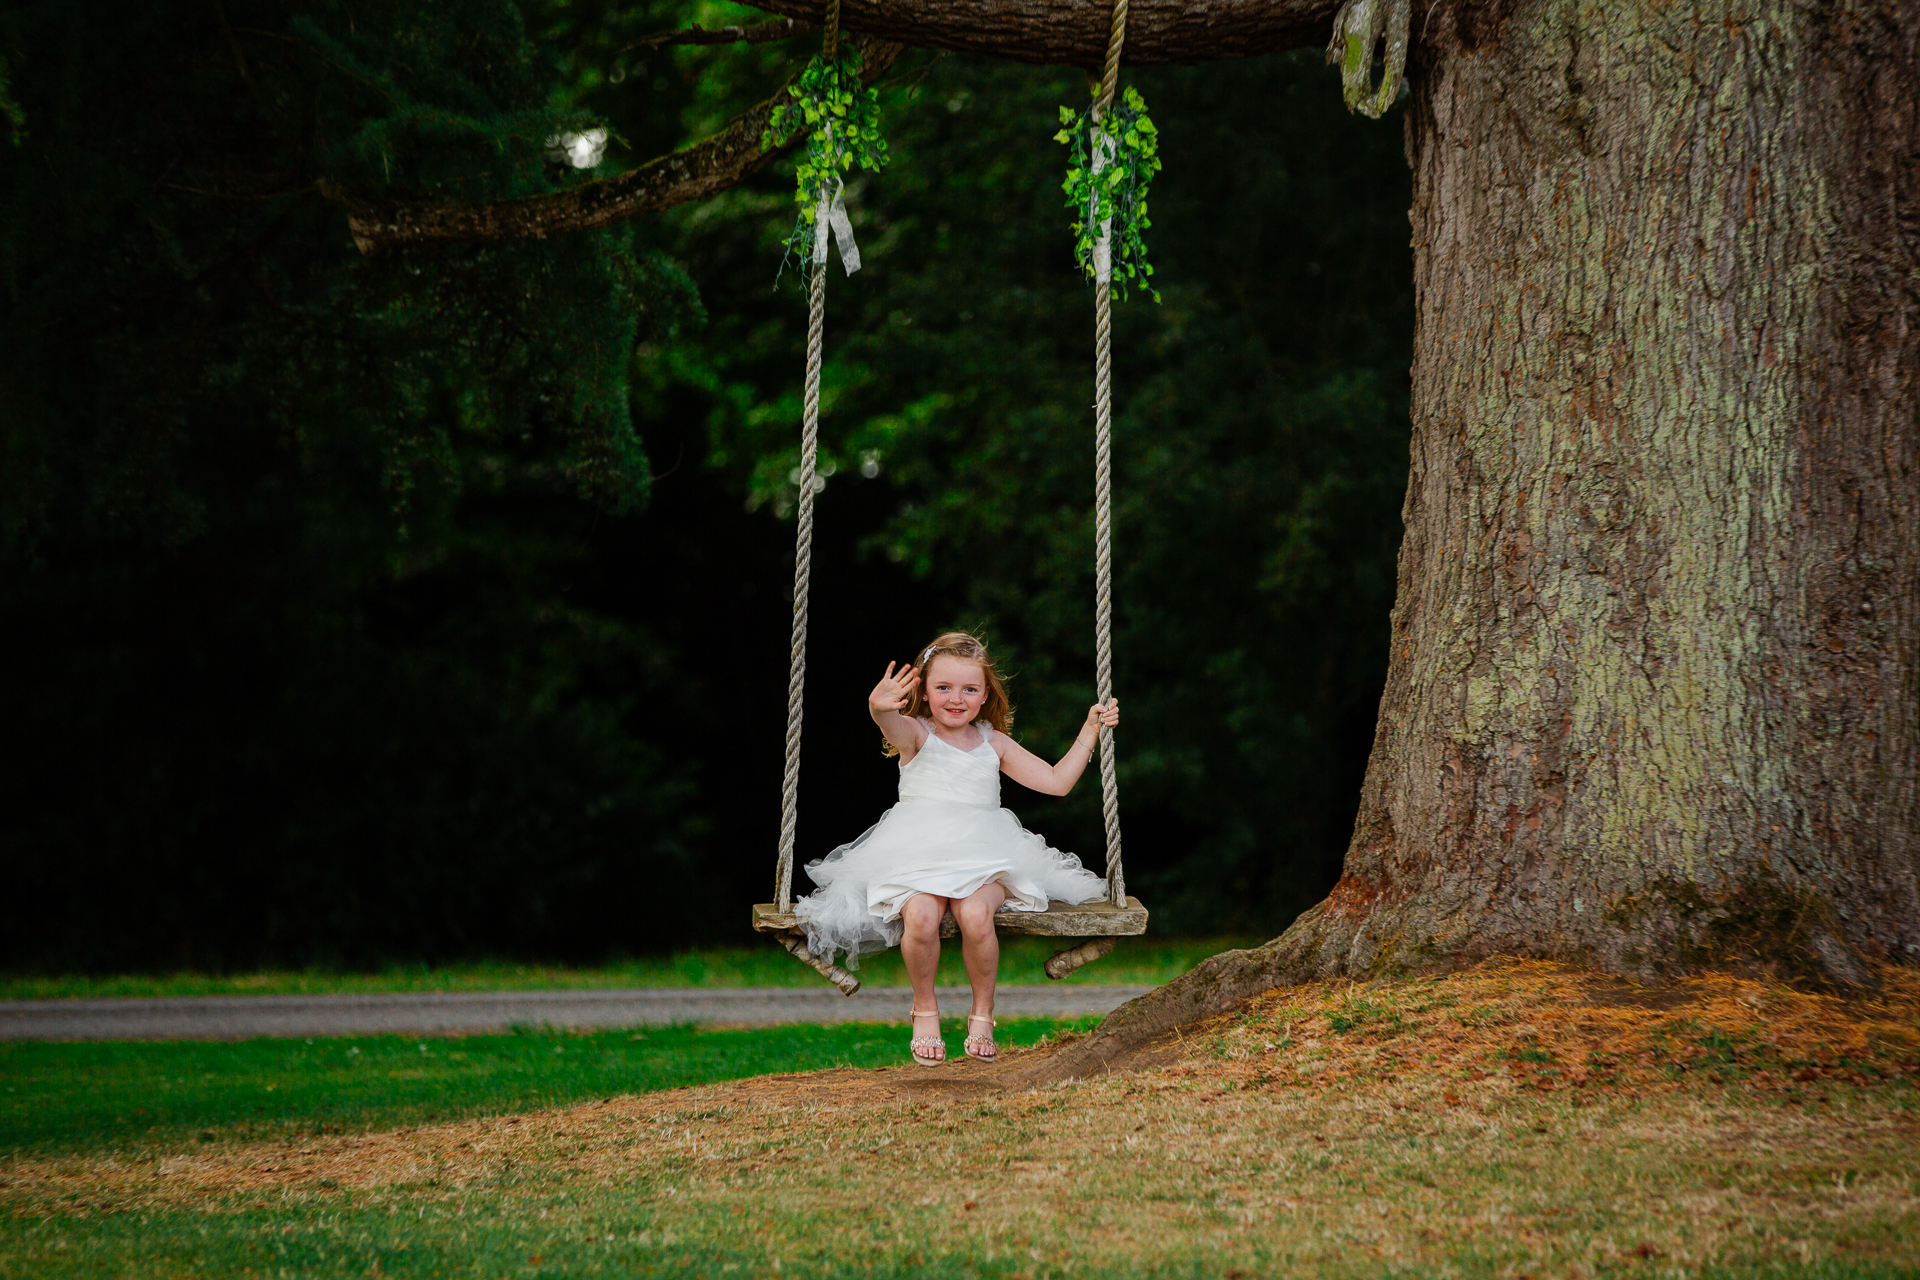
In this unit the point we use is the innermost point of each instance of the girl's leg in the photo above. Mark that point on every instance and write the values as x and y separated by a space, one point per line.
920 949
981 947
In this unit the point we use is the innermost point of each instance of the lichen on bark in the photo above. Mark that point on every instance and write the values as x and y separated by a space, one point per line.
1359 29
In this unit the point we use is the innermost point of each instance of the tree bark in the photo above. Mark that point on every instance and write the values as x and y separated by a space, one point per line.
1073 33
703 169
1651 701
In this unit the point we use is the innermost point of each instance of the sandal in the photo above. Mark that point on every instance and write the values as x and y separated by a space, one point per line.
928 1051
975 1042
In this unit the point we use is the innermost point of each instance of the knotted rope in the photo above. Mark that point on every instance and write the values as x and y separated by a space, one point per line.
1103 475
803 535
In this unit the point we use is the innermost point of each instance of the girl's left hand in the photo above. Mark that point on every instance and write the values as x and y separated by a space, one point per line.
1108 715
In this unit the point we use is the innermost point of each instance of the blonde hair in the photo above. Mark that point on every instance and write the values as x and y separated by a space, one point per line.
997 710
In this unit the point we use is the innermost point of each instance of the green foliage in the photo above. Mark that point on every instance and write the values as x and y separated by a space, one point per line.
333 663
291 535
841 118
14 113
1111 163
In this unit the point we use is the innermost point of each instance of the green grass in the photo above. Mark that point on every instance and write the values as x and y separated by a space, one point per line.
1408 1145
1150 961
90 1096
608 1234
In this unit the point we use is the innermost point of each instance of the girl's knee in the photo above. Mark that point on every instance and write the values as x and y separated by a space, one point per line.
921 914
974 917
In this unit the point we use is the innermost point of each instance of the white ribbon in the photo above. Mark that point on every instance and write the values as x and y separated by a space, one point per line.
1103 247
832 212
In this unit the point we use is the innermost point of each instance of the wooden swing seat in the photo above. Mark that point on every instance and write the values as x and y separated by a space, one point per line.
1099 922
1088 920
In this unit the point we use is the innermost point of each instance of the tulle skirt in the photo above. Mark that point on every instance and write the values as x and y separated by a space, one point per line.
940 847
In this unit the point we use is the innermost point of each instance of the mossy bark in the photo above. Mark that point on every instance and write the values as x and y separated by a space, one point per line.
1651 701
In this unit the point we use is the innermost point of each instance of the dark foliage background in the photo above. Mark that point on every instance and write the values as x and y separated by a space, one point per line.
434 604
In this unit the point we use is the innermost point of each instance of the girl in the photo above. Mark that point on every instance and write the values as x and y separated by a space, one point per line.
948 845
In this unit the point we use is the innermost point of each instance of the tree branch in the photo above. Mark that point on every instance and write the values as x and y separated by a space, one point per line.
709 166
1074 32
1055 32
758 33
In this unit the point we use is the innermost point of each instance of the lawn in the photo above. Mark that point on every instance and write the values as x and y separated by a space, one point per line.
1147 960
1518 1120
168 1095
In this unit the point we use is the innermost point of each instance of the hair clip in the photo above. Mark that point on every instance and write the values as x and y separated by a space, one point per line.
926 655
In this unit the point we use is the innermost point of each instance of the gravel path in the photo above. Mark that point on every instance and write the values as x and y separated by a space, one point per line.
444 1013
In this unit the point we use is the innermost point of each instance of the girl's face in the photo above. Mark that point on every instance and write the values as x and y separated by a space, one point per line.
956 690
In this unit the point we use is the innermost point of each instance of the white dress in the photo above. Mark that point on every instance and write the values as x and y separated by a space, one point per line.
947 836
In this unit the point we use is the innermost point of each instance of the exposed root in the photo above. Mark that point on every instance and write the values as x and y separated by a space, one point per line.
1212 987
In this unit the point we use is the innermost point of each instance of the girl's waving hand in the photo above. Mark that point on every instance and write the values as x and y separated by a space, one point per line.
892 692
886 702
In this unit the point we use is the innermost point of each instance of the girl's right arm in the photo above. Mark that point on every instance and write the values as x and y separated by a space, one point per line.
884 705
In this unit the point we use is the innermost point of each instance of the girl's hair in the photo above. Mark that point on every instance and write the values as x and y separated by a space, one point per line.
997 710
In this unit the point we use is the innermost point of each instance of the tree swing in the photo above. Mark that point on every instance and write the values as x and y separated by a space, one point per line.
1113 156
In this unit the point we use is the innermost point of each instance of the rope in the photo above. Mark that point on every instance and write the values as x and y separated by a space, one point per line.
803 545
1103 574
1116 36
802 576
1103 487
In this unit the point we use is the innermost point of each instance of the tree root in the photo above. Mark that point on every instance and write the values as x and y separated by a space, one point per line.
1336 939
1212 987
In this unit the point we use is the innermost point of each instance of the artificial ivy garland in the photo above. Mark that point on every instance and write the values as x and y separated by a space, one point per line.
1117 194
842 120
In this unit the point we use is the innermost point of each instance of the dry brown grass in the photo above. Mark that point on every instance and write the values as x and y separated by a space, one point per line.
1547 1027
1516 1119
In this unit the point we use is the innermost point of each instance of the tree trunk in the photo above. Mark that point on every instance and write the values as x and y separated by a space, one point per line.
1651 701
1651 698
